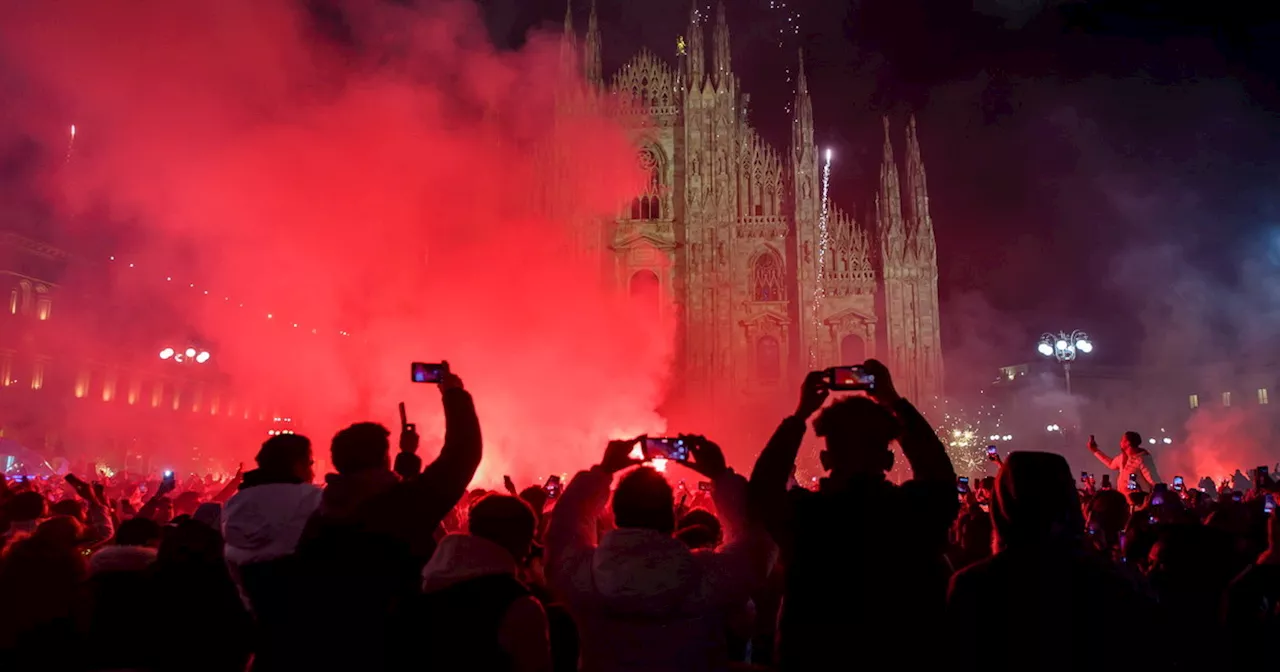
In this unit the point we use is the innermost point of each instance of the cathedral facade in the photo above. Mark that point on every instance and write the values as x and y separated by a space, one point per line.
732 239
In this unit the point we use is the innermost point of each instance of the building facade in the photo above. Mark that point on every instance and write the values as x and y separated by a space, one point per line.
764 279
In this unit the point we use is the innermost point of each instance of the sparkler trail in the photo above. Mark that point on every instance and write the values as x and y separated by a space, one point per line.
824 238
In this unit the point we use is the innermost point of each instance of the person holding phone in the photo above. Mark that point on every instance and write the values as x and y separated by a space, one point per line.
1133 460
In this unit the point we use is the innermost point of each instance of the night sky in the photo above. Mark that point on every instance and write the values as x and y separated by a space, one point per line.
1108 166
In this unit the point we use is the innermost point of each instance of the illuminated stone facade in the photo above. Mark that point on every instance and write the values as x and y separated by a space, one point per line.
729 230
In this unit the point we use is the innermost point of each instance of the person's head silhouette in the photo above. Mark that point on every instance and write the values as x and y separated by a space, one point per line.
364 445
858 432
644 499
506 521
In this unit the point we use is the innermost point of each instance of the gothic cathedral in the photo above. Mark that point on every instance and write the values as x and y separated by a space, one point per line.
732 240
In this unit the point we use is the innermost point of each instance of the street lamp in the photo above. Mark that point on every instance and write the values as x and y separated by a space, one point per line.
187 356
1065 347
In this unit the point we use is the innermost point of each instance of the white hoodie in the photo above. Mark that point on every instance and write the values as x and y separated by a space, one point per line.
265 522
642 600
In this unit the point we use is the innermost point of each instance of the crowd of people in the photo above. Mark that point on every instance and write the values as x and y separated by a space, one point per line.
392 565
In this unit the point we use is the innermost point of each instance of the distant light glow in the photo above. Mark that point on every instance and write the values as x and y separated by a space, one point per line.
191 352
166 353
1045 349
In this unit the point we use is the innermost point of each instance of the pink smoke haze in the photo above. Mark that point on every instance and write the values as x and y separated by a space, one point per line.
401 194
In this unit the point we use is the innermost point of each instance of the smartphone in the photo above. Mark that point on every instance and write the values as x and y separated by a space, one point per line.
406 426
1106 481
420 372
1236 497
1178 483
666 448
1084 477
1261 476
993 453
846 378
1133 481
552 486
962 484
1269 503
704 486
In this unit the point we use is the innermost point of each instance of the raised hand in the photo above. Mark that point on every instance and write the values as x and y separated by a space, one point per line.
708 459
813 393
883 390
448 381
617 456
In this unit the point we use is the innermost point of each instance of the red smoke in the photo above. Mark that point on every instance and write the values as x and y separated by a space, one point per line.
1220 441
398 191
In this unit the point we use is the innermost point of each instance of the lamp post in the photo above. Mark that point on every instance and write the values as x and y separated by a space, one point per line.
1065 347
186 356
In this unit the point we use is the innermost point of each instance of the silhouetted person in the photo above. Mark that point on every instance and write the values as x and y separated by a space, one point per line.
362 553
1048 603
1133 459
864 557
474 613
641 598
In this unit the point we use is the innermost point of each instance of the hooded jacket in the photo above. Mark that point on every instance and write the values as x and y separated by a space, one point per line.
642 600
265 522
1042 591
474 612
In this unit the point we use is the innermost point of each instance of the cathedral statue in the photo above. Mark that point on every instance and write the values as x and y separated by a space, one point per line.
722 242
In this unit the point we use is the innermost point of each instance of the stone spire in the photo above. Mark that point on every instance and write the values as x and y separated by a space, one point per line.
591 54
695 49
802 122
921 224
889 205
568 45
721 60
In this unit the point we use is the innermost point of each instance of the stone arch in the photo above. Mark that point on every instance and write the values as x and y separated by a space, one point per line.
768 276
646 290
853 349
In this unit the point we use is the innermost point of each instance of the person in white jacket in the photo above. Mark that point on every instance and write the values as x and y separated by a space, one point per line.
1133 459
641 599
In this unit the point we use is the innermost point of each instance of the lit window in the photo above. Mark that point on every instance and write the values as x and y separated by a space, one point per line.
1262 396
213 405
177 398
1226 398
109 386
13 302
37 375
6 369
1194 400
82 384
43 307
135 390
157 395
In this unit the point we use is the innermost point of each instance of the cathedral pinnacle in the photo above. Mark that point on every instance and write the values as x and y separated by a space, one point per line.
889 204
568 45
921 223
695 52
721 59
591 54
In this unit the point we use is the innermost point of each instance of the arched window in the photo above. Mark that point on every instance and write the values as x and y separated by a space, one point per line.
853 350
768 358
646 290
649 204
766 278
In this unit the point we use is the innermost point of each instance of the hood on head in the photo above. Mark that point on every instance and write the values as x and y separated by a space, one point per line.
1036 501
121 559
460 557
266 522
645 573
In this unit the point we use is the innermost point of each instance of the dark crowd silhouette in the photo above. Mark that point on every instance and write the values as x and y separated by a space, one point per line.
395 566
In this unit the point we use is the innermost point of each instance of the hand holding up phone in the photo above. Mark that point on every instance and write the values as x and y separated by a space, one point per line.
409 438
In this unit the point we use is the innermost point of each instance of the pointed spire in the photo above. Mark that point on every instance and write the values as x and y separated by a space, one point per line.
918 198
721 59
695 50
889 203
568 44
802 123
591 54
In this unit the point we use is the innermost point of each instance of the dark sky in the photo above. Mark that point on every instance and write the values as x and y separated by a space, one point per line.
1090 163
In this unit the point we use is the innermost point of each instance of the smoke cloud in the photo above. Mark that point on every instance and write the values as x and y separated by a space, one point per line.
323 198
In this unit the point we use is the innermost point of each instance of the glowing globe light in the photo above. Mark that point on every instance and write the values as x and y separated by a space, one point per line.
1045 349
191 352
202 358
1061 345
166 353
1084 346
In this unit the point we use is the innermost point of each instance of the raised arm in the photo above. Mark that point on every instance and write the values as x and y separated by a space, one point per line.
571 536
767 491
1111 463
1149 469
